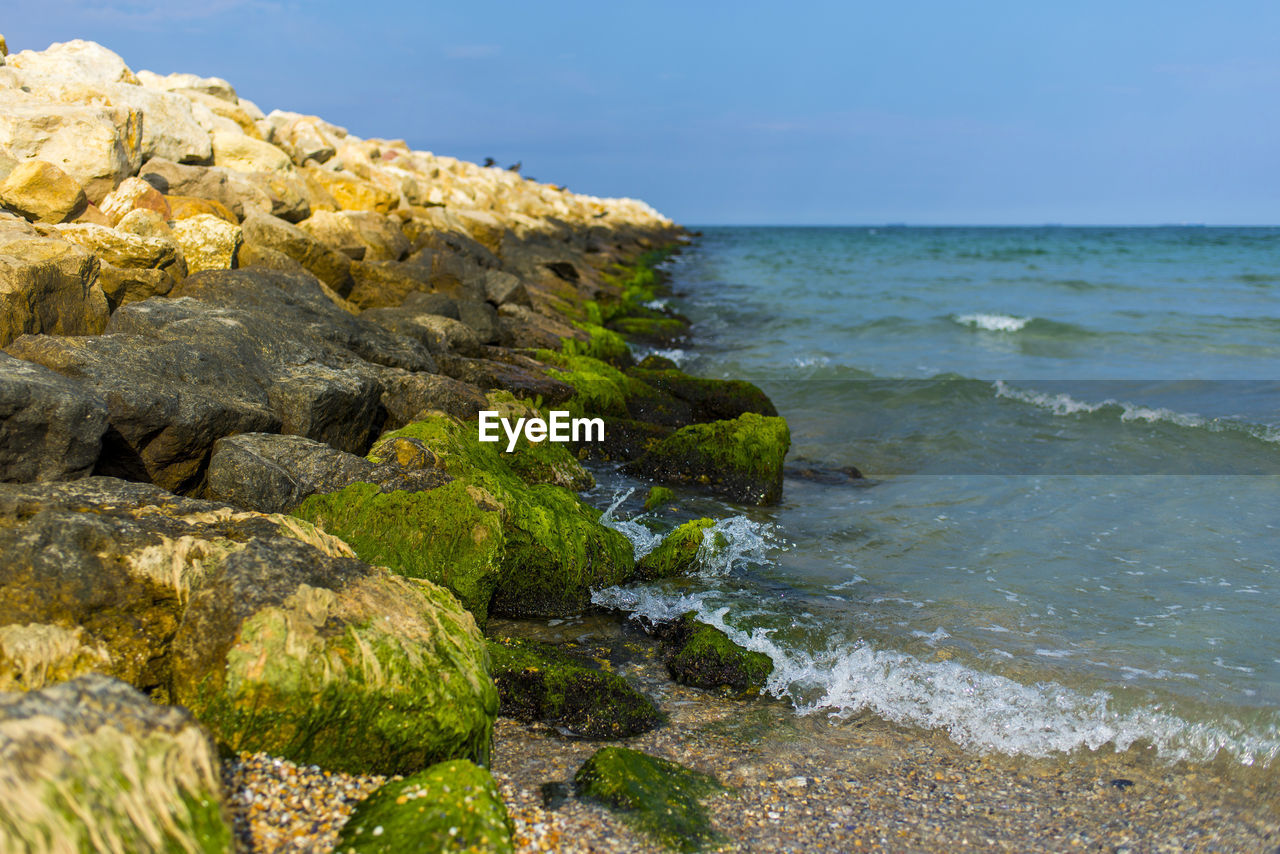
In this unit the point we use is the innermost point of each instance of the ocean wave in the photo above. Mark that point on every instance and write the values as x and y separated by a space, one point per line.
978 710
992 322
1065 404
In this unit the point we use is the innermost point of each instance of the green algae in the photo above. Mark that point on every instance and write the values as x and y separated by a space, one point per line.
451 806
740 458
704 657
711 399
603 344
661 798
677 554
658 496
660 329
537 682
451 535
387 676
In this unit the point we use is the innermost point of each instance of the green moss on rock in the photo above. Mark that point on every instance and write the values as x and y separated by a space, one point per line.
704 657
662 798
451 806
658 496
451 535
656 330
740 458
537 682
603 344
711 399
677 554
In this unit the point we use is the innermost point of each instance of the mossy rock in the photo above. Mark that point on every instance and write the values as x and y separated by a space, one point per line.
451 535
601 389
661 798
537 682
704 657
655 330
603 344
677 554
658 496
739 458
711 399
654 362
451 806
555 551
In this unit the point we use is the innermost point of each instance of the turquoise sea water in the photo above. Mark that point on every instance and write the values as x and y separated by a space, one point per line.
1068 532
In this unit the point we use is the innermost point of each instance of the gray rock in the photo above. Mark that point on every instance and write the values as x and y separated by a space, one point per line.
330 267
438 334
501 288
273 474
482 318
50 426
408 396
441 304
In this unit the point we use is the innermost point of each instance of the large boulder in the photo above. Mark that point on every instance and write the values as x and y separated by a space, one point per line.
410 396
50 426
329 266
93 765
123 285
48 286
266 628
438 334
361 235
97 146
42 192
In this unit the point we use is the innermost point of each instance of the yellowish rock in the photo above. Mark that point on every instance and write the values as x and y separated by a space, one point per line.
134 194
353 193
42 192
246 154
208 242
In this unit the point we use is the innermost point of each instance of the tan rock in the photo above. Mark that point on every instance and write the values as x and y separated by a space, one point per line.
304 137
214 86
127 250
48 285
241 118
335 231
483 227
93 214
185 207
379 284
97 146
134 194
208 242
75 60
246 154
42 192
288 192
269 232
145 222
353 193
123 285
361 235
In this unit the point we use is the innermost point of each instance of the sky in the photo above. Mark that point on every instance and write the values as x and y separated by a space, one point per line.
767 113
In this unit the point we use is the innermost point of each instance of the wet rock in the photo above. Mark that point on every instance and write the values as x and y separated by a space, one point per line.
703 656
710 399
482 318
93 765
658 496
49 286
520 326
524 380
42 192
659 797
677 554
50 426
502 288
381 284
451 806
208 242
327 265
740 458
537 682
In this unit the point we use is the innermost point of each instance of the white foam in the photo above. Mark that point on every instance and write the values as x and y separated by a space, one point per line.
733 543
642 539
992 322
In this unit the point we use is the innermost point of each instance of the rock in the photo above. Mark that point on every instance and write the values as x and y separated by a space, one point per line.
658 331
353 193
42 192
602 389
501 288
522 327
554 550
50 427
678 552
537 682
215 86
127 250
134 194
97 146
298 301
200 182
740 458
124 285
48 286
272 473
146 223
524 381
711 399
304 137
327 265
588 339
380 234
425 303
410 396
185 207
93 765
658 496
93 215
382 284
703 656
451 806
336 232
76 60
482 318
438 334
287 192
659 797
246 154
266 628
208 242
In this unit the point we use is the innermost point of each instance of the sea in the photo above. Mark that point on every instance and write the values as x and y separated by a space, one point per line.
1033 494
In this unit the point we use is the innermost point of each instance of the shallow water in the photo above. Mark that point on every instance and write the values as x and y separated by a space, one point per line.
1067 534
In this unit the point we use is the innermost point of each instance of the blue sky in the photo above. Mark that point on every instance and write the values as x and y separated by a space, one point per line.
746 112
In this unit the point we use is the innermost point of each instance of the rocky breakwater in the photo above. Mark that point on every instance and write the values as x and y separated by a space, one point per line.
243 503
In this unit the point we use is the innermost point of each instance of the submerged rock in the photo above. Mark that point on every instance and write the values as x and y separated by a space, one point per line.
451 806
658 496
660 797
740 458
703 656
677 554
537 682
93 765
